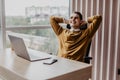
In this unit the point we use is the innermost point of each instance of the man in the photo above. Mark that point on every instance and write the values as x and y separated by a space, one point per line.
73 42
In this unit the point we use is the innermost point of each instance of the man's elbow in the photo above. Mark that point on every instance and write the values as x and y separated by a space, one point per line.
100 18
52 19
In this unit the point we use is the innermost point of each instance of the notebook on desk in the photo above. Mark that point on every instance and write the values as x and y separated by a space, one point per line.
20 49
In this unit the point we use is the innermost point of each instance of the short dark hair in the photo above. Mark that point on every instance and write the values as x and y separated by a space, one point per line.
80 15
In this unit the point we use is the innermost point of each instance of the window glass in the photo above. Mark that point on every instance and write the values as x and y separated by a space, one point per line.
23 13
34 12
38 39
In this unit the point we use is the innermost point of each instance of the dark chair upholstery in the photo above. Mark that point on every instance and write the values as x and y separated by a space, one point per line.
87 58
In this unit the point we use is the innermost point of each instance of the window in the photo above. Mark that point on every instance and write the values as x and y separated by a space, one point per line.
29 19
34 12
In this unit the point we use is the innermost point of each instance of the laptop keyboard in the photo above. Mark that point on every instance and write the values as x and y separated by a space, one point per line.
38 55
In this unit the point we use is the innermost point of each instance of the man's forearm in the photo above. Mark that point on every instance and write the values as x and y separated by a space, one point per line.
56 19
91 19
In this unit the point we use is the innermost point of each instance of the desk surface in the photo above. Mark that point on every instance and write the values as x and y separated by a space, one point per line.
13 67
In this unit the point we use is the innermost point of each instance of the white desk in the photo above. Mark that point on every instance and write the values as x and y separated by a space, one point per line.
13 67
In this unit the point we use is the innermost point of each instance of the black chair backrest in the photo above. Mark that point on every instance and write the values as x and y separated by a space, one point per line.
87 58
88 50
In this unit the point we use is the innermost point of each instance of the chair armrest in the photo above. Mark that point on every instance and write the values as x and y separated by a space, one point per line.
87 59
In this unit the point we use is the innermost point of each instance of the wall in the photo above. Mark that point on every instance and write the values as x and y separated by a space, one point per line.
105 48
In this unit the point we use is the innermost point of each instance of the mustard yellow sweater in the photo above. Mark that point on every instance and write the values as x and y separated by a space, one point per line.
73 44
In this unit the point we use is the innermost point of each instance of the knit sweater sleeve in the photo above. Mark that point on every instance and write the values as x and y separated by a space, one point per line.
94 24
54 21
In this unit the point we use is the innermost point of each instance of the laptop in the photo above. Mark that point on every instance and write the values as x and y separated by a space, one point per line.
20 49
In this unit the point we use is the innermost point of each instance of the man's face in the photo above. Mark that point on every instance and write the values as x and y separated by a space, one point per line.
75 21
